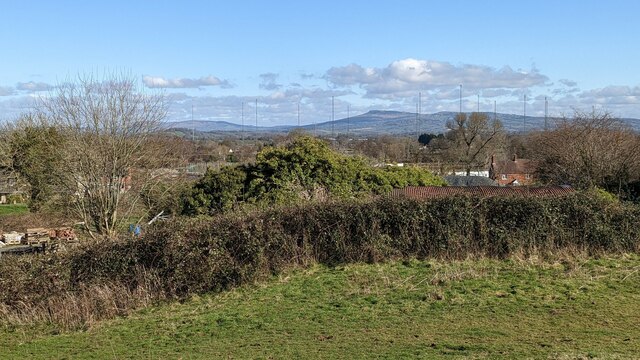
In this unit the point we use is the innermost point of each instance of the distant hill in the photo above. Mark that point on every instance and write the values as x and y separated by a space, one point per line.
374 123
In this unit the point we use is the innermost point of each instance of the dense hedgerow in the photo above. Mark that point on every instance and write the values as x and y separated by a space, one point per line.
196 255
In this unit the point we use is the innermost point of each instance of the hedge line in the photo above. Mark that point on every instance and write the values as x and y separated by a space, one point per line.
197 255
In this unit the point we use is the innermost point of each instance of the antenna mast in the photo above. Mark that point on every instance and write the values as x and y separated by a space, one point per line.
524 119
419 109
242 117
193 124
348 119
546 113
495 110
332 117
460 99
417 131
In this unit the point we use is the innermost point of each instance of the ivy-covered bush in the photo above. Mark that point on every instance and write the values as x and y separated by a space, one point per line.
305 169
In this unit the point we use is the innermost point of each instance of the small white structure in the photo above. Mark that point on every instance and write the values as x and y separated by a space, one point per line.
12 238
484 173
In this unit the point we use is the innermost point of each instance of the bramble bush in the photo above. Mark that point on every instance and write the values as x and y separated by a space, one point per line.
186 256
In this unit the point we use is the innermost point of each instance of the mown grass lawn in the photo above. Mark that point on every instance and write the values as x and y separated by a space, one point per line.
13 209
411 309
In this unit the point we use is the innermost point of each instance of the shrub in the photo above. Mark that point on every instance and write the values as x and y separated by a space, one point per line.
305 169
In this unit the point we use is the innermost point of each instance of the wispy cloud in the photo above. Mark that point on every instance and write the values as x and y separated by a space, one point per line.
568 83
34 86
12 106
6 91
268 81
184 83
612 91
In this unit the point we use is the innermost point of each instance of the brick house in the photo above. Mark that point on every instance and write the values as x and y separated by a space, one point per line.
512 172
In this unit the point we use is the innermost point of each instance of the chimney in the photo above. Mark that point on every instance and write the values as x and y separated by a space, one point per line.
515 157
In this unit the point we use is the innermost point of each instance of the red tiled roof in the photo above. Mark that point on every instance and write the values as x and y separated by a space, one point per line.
430 192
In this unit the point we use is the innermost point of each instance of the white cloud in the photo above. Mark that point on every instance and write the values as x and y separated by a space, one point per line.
6 91
396 87
179 83
268 81
34 86
403 77
315 93
11 107
489 93
612 91
568 83
352 74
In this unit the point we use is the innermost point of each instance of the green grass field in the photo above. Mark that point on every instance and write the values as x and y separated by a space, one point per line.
13 209
412 309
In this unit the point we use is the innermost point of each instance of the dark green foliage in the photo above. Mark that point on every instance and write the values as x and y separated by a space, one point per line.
35 157
216 191
425 139
305 169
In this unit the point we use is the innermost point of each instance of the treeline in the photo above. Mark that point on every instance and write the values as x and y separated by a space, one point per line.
187 256
586 150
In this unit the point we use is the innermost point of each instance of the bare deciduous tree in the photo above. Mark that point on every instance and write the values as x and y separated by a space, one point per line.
107 126
472 139
590 149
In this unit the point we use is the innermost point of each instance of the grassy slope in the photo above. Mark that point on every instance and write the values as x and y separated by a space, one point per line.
414 309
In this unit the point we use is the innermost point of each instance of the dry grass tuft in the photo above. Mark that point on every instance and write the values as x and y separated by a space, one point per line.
83 308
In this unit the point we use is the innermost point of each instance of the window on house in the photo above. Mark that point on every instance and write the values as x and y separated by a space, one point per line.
504 176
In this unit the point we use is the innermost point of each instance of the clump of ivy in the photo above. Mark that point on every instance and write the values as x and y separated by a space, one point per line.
304 169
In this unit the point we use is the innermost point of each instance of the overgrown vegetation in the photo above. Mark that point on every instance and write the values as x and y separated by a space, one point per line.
88 150
571 308
34 157
589 150
198 255
304 169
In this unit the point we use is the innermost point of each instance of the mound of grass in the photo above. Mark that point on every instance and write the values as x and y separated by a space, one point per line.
402 309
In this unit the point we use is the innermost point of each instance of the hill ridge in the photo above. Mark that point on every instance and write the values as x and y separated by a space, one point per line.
377 122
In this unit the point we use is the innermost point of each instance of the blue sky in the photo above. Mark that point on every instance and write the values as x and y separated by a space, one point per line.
215 55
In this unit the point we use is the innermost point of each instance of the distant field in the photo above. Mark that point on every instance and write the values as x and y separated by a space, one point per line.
412 309
11 209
